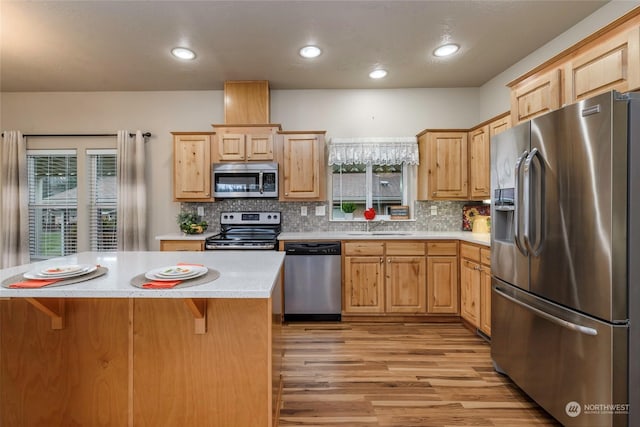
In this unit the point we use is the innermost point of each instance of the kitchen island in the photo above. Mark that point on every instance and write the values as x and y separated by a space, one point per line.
105 353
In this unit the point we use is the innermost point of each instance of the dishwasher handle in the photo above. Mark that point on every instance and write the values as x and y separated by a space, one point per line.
312 248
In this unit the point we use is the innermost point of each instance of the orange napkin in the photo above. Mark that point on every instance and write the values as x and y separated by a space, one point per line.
34 283
159 284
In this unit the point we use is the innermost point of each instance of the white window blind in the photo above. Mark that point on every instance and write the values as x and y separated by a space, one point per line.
102 174
53 202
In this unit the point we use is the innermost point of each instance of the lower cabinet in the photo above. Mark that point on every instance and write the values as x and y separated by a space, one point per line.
399 277
182 245
475 286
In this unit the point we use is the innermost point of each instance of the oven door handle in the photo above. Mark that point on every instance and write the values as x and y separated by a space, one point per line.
261 182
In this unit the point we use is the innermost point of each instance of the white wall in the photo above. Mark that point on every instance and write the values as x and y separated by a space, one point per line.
494 95
343 113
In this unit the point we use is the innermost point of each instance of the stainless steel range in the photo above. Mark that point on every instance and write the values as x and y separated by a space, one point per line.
246 230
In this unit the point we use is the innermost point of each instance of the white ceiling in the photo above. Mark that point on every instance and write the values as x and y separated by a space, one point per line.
124 45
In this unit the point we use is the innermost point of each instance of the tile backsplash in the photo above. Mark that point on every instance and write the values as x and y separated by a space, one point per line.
448 217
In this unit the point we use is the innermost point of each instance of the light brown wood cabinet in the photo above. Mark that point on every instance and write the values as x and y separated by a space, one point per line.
240 143
609 59
363 277
442 277
246 101
479 160
443 169
391 278
192 166
537 95
611 64
475 286
485 291
182 245
302 175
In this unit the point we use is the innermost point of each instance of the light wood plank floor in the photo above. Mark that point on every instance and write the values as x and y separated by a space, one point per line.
396 375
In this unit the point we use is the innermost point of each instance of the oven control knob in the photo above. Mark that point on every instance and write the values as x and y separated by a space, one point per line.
230 216
275 217
268 216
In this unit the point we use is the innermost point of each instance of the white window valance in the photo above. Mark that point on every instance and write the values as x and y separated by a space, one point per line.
375 151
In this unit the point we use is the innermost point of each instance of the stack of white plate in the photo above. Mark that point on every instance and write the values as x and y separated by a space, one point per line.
60 271
176 272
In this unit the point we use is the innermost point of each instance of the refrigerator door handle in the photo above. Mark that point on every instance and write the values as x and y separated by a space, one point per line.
517 205
553 319
533 166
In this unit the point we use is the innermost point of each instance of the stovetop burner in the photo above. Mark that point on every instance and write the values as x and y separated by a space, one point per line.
246 230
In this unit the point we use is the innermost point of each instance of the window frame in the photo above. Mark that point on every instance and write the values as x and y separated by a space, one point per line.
409 190
81 144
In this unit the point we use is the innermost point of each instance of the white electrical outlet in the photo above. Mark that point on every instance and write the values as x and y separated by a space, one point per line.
321 210
303 211
434 210
200 210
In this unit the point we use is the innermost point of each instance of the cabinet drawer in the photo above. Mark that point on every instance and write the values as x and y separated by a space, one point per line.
442 248
182 245
405 248
470 252
485 256
364 248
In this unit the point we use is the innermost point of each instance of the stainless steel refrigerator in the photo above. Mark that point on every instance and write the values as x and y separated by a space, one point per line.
565 260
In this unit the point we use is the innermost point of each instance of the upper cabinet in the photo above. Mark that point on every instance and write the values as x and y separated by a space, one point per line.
442 174
479 158
302 174
239 143
535 96
192 166
607 60
611 64
246 102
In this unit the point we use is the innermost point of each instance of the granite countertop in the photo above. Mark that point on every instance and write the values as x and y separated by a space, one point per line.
467 236
243 274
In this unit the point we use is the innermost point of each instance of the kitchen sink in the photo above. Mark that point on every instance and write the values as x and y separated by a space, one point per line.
379 233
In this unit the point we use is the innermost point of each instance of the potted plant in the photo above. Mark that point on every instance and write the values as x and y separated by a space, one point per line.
348 208
191 223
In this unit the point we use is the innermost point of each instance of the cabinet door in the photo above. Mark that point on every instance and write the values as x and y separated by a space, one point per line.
303 168
192 167
259 147
406 284
231 146
470 292
182 245
479 172
363 285
535 96
499 125
613 64
442 285
485 300
447 162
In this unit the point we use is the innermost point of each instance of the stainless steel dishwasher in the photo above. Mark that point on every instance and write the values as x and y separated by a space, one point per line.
312 281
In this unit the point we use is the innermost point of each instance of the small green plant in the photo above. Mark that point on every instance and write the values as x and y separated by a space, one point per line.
191 223
348 207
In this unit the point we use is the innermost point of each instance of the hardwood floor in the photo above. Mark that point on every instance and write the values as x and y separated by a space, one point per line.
396 375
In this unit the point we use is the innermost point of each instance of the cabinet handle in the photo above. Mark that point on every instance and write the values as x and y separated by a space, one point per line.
286 194
434 193
389 260
381 260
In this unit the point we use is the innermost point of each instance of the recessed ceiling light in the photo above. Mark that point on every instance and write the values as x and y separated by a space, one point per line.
446 49
310 52
183 53
378 74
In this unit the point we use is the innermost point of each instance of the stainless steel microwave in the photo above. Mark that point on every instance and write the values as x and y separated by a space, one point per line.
245 180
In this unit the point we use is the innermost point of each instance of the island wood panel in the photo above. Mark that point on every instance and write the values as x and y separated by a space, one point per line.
220 378
75 376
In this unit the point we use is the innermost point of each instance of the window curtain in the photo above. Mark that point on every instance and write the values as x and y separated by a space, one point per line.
375 151
132 202
14 225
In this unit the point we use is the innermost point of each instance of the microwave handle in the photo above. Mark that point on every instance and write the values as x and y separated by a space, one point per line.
260 182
